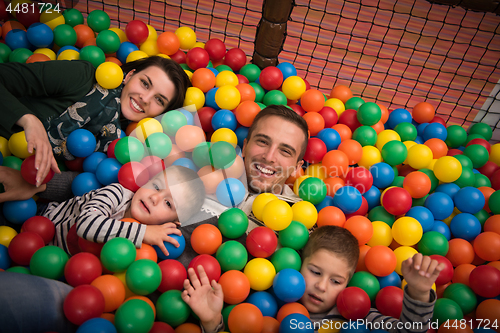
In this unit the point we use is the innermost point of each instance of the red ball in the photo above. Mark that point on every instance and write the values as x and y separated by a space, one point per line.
179 57
315 151
137 31
42 226
28 171
111 148
83 303
271 78
197 58
350 118
298 109
488 169
32 15
330 115
209 263
389 301
153 164
23 246
447 273
485 281
206 113
173 275
362 210
76 164
242 79
481 142
261 242
235 58
133 175
90 247
161 327
495 180
453 152
82 268
359 178
438 119
353 303
397 201
216 49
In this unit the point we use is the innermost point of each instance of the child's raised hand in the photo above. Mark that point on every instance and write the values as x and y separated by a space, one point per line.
157 234
205 299
420 272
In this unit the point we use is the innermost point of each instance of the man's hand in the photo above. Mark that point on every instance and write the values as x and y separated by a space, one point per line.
420 272
157 234
16 188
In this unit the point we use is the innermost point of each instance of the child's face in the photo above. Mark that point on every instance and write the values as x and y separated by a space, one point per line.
326 275
153 204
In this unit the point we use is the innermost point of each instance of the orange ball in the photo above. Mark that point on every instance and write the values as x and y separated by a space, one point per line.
247 93
130 128
487 192
423 112
489 311
312 100
235 285
333 184
83 33
168 43
460 252
385 113
271 325
315 122
188 137
492 224
11 25
112 289
245 318
352 149
245 112
90 41
236 169
109 317
378 127
145 299
290 308
37 57
188 328
487 246
344 131
380 260
336 163
115 60
341 92
438 147
146 252
461 273
361 266
417 183
210 178
291 180
331 215
204 79
206 239
495 264
361 228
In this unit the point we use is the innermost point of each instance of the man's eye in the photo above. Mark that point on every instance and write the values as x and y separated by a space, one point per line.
287 152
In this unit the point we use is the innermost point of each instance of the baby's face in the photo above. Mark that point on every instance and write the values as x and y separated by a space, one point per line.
153 203
326 275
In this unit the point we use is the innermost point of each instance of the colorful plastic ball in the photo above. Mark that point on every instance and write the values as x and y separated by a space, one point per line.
389 301
487 246
469 200
171 309
216 49
40 225
485 281
17 39
396 200
382 174
107 171
418 184
23 246
371 155
382 234
277 215
353 303
19 211
124 51
330 137
360 178
210 265
423 112
305 213
289 285
456 136
81 143
113 290
173 252
64 35
365 135
465 226
392 279
348 199
224 119
447 169
20 55
446 274
435 130
406 131
173 275
233 223
445 310
265 302
235 58
312 100
261 242
293 87
143 276
482 129
188 137
294 236
231 255
245 317
40 35
29 172
260 273
407 231
462 295
440 204
402 253
394 152
97 324
230 192
83 183
137 31
286 257
206 239
83 303
398 116
98 20
235 286
18 145
6 235
227 97
251 72
82 268
49 262
109 75
369 114
433 242
478 155
197 58
419 156
313 190
380 260
117 254
135 315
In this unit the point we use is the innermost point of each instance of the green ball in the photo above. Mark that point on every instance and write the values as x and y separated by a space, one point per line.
354 103
259 92
394 152
365 135
456 136
118 254
64 35
232 255
73 17
369 114
467 178
12 162
462 295
108 41
286 258
482 216
171 309
482 129
222 155
172 121
294 236
478 155
432 177
186 67
379 213
129 149
49 262
398 181
98 20
418 201
93 54
465 161
494 202
19 269
433 242
481 180
251 72
233 223
20 55
274 97
201 154
406 131
134 316
366 281
312 189
446 309
5 51
159 144
222 68
143 276
225 314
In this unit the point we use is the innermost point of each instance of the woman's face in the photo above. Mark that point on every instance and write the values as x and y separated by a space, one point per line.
146 93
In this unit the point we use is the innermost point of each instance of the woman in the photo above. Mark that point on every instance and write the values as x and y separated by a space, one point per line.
49 100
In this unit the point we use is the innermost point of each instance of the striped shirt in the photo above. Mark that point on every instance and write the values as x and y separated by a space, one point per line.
97 217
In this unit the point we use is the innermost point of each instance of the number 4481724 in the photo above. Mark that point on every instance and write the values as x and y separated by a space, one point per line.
32 7
463 323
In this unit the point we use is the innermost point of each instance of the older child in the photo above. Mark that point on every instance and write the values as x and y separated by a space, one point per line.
329 260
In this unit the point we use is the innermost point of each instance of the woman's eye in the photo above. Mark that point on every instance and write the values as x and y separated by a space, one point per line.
160 101
145 83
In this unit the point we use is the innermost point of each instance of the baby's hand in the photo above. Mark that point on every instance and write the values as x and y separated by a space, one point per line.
157 234
420 272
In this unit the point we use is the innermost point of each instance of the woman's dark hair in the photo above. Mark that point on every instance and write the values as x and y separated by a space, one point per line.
171 68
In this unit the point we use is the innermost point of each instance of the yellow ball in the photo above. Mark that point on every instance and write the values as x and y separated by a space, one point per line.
495 154
4 147
383 193
449 218
407 231
293 87
419 156
408 145
402 253
224 134
109 75
386 136
371 155
228 97
136 55
447 169
152 33
166 57
382 234
146 127
316 170
297 183
18 145
260 202
305 213
189 74
260 273
226 78
336 104
48 52
52 19
69 55
121 34
199 44
123 278
150 47
194 96
432 164
277 215
6 235
187 37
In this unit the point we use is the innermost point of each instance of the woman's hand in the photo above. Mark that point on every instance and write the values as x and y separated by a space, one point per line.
157 234
16 188
37 139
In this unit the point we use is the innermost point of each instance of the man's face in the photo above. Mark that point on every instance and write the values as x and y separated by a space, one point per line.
271 154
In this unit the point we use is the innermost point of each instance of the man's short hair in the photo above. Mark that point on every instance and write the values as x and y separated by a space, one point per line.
336 240
286 114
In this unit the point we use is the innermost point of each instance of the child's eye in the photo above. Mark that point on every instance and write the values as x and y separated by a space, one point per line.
168 204
314 272
335 282
156 187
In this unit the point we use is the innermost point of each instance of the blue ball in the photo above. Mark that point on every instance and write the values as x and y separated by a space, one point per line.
40 35
383 175
4 257
216 72
469 200
330 137
186 162
173 252
1 158
92 161
19 211
241 133
435 130
421 129
442 228
189 116
107 171
392 279
67 47
81 143
83 183
440 204
224 119
418 140
348 199
372 197
289 285
398 116
124 50
230 192
17 38
423 216
449 188
296 323
96 325
265 302
465 226
327 201
210 99
287 69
